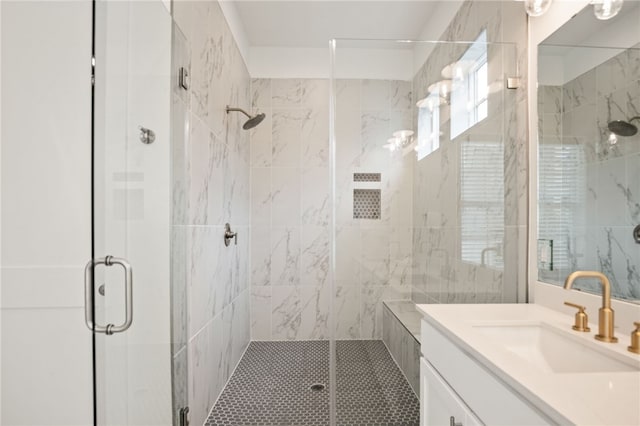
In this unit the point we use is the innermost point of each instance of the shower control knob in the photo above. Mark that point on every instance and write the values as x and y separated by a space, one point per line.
636 234
228 235
147 136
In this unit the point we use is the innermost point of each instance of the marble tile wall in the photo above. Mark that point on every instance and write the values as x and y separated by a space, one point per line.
403 345
290 208
441 273
605 177
211 186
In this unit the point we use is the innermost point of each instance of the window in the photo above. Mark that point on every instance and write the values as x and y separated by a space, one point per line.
428 126
469 96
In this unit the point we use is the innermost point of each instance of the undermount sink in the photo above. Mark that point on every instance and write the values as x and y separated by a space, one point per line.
553 351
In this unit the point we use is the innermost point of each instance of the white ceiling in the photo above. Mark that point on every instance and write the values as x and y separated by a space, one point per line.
309 23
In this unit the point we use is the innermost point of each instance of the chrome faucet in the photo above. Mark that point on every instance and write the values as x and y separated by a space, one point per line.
605 314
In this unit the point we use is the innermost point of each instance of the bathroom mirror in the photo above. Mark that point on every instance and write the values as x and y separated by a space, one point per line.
589 151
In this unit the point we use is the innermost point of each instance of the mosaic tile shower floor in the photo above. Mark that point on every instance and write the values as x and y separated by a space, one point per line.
272 386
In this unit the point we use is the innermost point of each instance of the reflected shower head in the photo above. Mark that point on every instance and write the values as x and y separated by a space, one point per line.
253 120
623 128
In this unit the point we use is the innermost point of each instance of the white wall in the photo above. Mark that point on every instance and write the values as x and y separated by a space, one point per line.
46 348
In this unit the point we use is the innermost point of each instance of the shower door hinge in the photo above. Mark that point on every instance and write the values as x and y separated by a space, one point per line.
183 78
184 416
513 83
93 70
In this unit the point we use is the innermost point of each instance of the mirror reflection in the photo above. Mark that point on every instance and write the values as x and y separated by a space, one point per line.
589 152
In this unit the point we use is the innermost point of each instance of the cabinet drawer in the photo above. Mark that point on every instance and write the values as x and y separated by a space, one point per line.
487 396
440 403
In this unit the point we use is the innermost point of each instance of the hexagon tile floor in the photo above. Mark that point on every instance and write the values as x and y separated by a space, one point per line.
272 386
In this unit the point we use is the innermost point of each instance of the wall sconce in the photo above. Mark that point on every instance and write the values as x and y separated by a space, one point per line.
537 7
400 139
606 9
602 9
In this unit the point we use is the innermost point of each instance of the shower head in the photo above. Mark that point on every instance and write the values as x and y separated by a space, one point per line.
253 120
623 128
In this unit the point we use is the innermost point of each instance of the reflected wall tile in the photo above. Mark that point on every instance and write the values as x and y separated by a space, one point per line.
200 374
375 131
348 137
180 382
179 283
314 256
347 310
218 357
260 256
371 307
286 197
375 256
620 266
633 191
180 162
400 94
612 74
579 91
261 197
348 255
261 93
202 265
208 157
286 92
286 312
285 256
612 190
315 196
314 138
260 313
314 320
376 94
315 94
261 148
286 136
348 95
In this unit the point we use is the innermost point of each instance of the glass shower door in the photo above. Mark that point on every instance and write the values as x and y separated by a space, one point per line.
127 288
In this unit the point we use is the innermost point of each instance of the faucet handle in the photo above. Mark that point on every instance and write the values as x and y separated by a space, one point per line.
635 339
581 322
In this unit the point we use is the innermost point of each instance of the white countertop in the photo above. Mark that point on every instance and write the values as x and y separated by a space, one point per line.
599 398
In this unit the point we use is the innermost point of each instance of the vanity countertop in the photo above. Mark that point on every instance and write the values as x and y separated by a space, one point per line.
584 398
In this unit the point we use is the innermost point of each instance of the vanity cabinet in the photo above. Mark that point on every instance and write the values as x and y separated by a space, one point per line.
453 384
440 404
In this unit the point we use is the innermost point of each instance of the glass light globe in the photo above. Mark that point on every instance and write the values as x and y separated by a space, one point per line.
536 7
607 9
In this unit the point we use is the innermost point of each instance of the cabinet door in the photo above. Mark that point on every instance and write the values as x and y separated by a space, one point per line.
440 403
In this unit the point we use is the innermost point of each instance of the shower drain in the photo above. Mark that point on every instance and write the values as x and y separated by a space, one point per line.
317 387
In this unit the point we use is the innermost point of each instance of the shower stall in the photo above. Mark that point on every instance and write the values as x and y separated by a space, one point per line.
224 236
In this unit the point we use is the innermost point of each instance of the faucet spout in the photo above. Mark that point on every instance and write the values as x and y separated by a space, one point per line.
605 314
604 282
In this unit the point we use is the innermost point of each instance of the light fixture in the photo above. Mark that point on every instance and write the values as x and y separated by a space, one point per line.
431 102
606 9
400 139
536 7
441 88
602 9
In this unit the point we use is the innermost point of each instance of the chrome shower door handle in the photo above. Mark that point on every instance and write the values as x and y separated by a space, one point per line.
89 315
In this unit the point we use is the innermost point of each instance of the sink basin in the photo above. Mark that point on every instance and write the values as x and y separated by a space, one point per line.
554 351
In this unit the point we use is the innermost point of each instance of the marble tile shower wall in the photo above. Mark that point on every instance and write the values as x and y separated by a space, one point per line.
441 272
290 208
211 291
608 200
